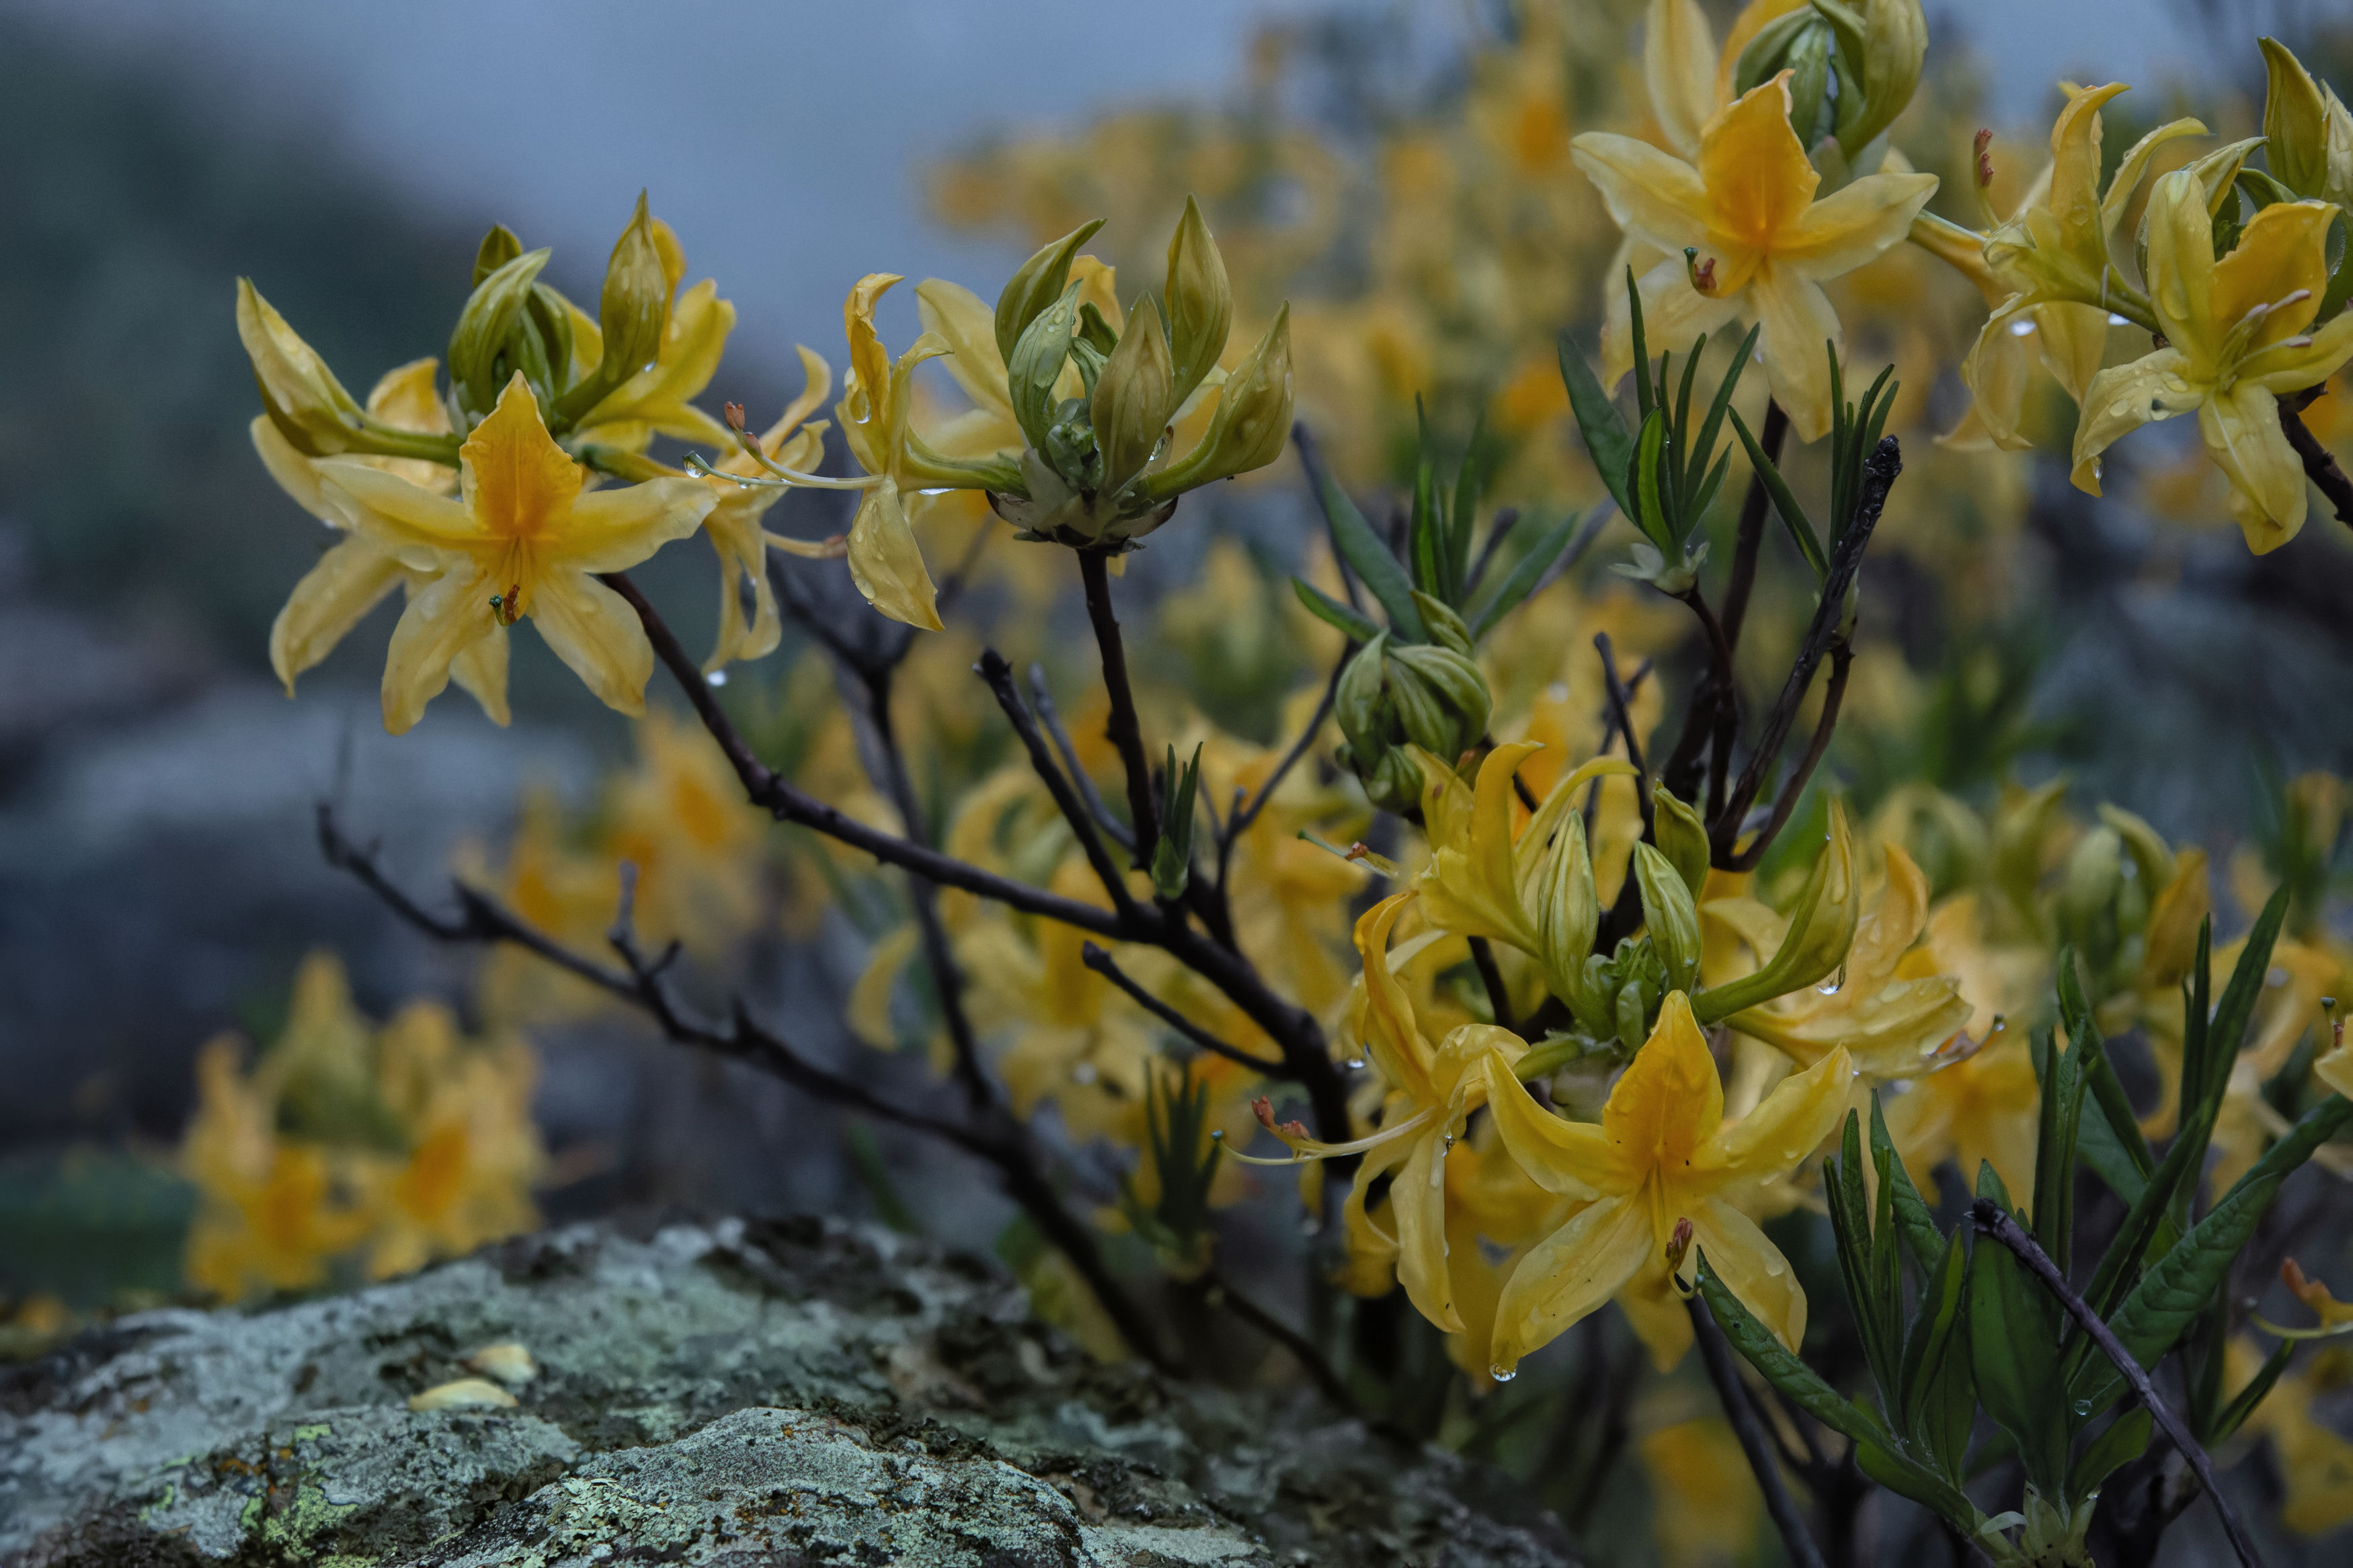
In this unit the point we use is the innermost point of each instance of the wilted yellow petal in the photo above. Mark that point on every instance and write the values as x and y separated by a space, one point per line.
887 564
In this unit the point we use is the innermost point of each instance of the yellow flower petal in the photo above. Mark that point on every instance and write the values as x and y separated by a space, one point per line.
969 328
2241 427
2282 251
1758 181
1418 1206
593 629
613 529
1650 194
1673 316
2181 269
480 671
447 616
1670 1099
1859 223
1568 1274
1751 1267
515 477
887 564
349 581
1803 1110
1801 332
2121 400
1574 1159
425 529
1679 68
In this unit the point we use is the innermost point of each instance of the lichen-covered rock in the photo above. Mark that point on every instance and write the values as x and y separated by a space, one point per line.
796 1392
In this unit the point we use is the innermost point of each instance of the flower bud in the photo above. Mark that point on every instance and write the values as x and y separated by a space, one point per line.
301 395
1446 628
1821 929
1672 917
2308 135
634 312
1036 285
1361 700
1878 66
1422 675
1252 420
1568 913
1200 303
478 365
1808 81
1134 398
498 247
1035 364
1683 839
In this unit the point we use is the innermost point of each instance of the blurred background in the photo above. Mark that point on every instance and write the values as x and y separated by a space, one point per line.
160 880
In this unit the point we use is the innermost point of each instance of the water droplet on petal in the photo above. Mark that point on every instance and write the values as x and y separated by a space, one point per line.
2022 328
716 677
1083 1073
1502 1373
1355 1063
2116 320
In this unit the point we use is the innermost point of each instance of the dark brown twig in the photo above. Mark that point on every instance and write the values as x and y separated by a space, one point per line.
1303 1349
1499 1001
1124 731
1717 1356
1991 1221
1003 1145
1102 963
998 674
1621 714
1880 471
1750 535
1833 697
1042 699
2319 463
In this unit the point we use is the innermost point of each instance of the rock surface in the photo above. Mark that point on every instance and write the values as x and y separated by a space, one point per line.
795 1392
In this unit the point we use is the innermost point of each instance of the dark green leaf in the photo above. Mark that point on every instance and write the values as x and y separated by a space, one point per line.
1711 429
1922 1237
1793 516
1906 1477
1361 549
1425 547
1465 510
1331 610
1646 402
1526 573
2234 1415
1606 440
2180 1286
2126 1439
1798 1382
1874 1318
1652 518
2014 1355
1937 1324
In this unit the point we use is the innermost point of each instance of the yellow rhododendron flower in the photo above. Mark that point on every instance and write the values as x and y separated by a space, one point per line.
796 446
1428 1092
523 540
1890 1023
658 399
2238 332
877 396
1662 1155
1765 245
354 574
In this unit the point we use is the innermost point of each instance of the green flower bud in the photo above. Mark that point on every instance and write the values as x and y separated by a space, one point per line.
1672 917
1809 64
2094 874
1133 398
1034 366
498 247
480 365
1252 420
2308 135
1568 913
634 312
300 394
1446 628
1361 703
1036 285
1200 303
1453 683
1683 839
1895 46
1766 55
1821 929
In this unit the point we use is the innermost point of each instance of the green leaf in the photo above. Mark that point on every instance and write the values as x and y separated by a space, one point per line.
1922 1237
1606 440
1466 510
2014 1355
1172 856
1646 402
2259 1387
1935 1336
1906 1477
1526 573
1424 548
1793 516
1333 612
2126 1439
1652 518
1798 1382
2180 1286
1361 549
2062 1113
1875 1317
1711 429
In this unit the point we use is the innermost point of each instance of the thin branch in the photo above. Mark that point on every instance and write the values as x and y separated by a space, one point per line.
1991 1221
1750 534
1292 1028
1499 1000
998 674
1303 1349
1621 713
1880 471
1242 820
1102 963
2319 463
1042 699
1125 733
482 918
1833 696
1724 686
1717 1355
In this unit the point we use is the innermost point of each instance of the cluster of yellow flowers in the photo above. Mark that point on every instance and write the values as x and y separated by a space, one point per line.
1585 1039
388 1145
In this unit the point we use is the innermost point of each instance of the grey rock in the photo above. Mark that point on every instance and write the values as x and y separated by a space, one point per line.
768 1393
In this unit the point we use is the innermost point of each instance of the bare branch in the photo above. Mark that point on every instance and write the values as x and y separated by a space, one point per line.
2319 464
1102 963
1126 733
998 674
1717 1355
1042 699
